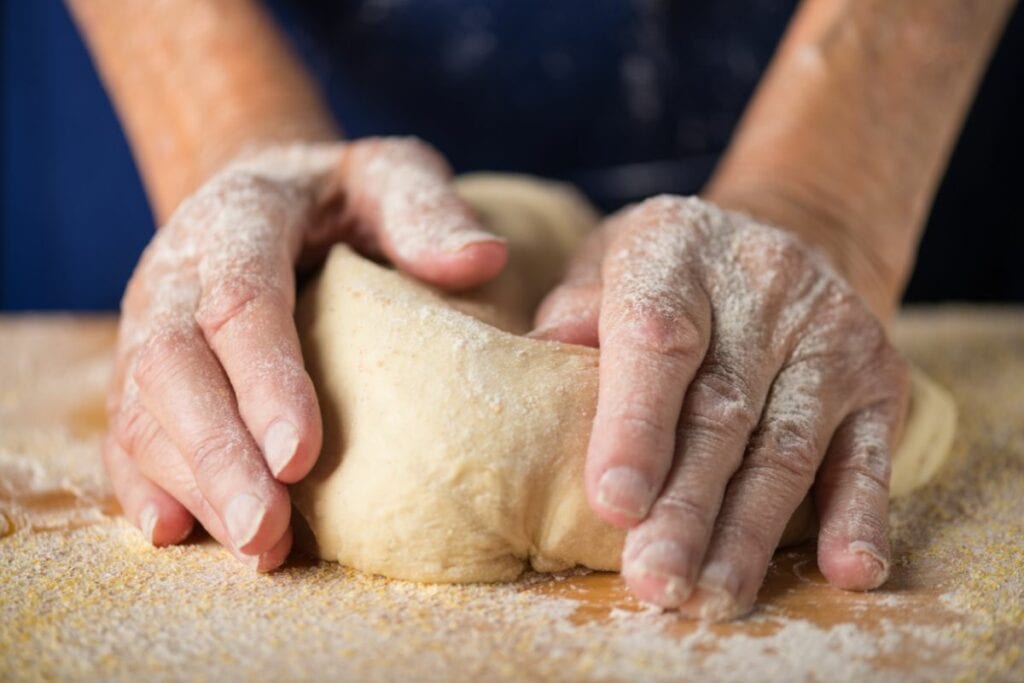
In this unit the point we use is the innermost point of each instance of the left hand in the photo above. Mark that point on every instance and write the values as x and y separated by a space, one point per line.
738 371
211 410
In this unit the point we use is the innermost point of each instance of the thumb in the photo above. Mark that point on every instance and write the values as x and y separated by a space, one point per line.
570 311
402 199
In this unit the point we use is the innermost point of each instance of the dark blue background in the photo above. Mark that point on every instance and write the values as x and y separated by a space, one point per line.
74 217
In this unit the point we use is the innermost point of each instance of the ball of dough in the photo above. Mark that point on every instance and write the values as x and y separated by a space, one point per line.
453 446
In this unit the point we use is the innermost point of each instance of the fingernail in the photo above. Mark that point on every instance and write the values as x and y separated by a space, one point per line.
718 584
249 561
264 565
279 445
147 521
257 563
243 517
666 562
874 564
625 491
717 606
457 241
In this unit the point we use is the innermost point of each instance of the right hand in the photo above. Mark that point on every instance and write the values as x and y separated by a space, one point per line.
739 371
211 410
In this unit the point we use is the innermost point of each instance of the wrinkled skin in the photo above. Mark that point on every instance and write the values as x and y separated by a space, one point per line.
211 410
738 372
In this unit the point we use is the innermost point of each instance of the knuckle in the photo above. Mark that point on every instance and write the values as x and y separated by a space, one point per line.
776 263
229 298
680 214
683 510
859 478
786 447
722 399
870 336
784 255
672 214
641 420
710 450
210 456
747 537
641 433
870 464
856 332
158 356
673 337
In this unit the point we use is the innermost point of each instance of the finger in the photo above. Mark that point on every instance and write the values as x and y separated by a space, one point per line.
663 553
401 196
161 519
184 387
654 331
799 419
570 312
157 458
275 557
852 498
248 321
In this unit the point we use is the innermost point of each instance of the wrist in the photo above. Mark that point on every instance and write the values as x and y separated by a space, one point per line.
875 271
235 82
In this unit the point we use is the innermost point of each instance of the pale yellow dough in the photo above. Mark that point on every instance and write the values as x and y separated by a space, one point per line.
454 446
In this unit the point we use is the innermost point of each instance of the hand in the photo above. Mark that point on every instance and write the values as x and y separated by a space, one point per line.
211 409
738 371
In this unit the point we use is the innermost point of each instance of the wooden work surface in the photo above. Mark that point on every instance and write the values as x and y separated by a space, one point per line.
83 597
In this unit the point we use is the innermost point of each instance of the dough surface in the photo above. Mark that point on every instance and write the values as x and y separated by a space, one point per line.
454 446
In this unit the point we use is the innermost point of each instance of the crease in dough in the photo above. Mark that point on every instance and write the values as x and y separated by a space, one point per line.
454 446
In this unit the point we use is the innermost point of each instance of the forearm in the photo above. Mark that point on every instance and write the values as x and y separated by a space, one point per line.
196 81
848 135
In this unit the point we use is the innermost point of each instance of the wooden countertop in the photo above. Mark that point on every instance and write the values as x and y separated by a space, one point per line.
82 597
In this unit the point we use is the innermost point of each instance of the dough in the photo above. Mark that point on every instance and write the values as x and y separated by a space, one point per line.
453 446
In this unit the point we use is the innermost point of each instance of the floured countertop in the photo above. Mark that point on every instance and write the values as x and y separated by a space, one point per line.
83 597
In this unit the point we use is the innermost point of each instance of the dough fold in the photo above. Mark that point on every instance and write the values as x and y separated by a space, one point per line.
453 446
